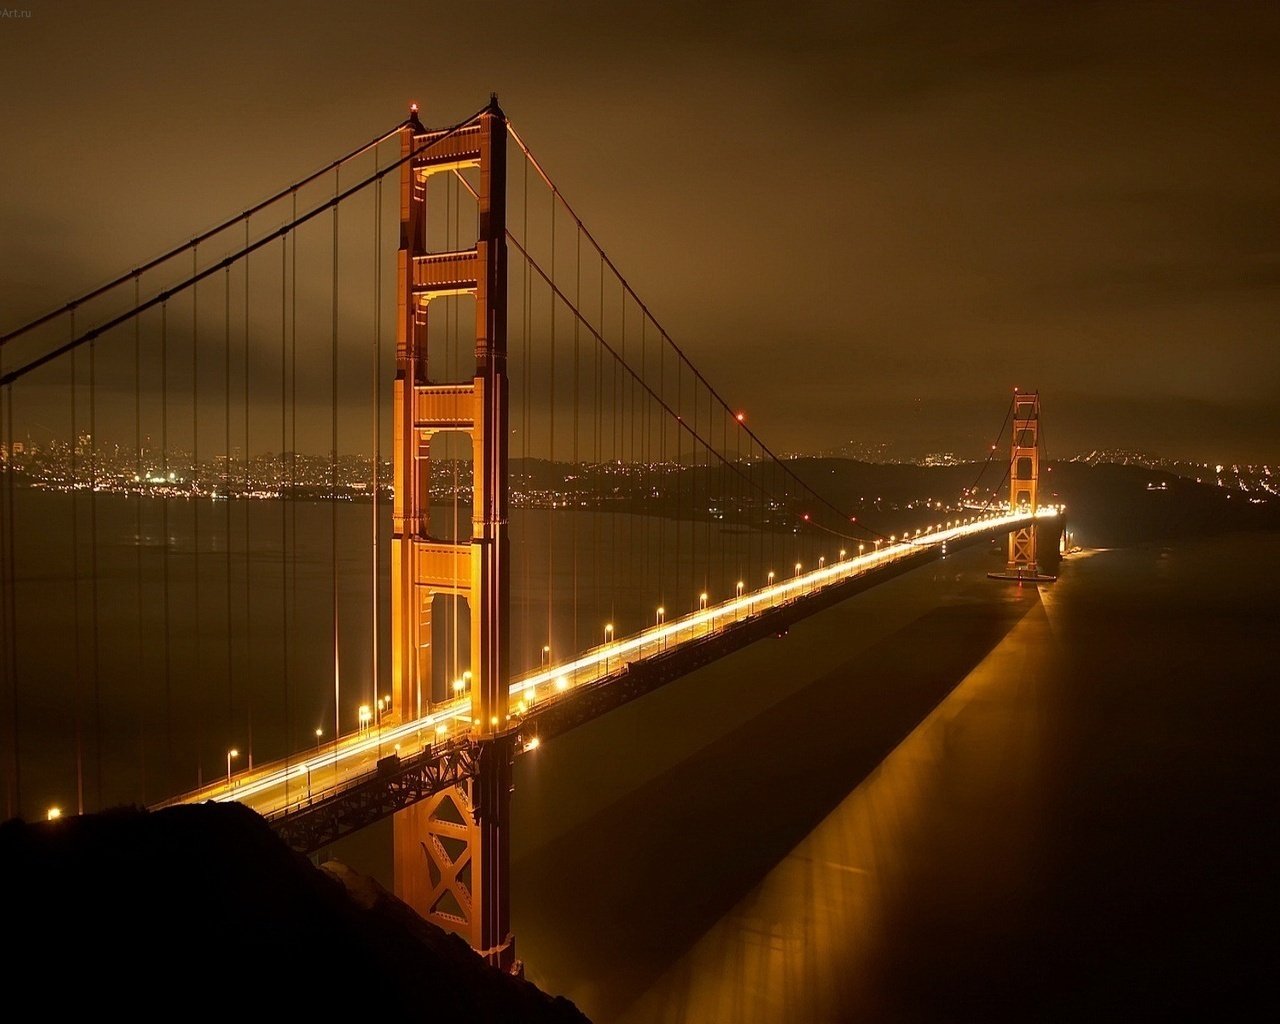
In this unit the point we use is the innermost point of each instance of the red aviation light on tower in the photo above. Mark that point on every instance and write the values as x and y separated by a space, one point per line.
741 417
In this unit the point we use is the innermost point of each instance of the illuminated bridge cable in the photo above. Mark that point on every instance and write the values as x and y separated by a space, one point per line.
558 196
696 438
991 451
77 340
204 236
990 456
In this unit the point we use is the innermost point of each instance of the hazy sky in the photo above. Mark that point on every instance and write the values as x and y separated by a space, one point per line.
862 220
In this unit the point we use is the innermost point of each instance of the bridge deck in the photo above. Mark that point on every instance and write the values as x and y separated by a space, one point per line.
345 784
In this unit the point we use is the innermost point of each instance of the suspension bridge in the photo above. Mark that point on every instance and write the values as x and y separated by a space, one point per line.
344 504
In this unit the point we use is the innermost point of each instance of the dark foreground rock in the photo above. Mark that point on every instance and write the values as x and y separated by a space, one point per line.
201 910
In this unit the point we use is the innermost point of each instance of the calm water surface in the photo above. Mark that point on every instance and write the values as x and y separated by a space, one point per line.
945 799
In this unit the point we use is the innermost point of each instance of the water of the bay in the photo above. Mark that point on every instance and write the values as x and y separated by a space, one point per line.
944 799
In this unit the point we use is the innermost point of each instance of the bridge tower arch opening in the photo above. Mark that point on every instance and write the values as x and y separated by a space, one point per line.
451 852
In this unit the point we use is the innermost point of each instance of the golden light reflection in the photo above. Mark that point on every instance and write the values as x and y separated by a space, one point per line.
806 943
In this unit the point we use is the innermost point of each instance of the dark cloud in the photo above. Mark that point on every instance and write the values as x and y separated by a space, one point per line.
860 218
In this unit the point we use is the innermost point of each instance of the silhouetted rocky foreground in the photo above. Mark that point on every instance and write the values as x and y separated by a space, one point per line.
201 910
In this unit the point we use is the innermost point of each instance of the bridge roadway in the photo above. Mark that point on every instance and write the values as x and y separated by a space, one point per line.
436 744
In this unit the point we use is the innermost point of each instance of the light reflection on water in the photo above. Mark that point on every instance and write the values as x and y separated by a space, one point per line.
804 943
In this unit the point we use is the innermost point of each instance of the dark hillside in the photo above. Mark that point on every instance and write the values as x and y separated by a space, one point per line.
201 910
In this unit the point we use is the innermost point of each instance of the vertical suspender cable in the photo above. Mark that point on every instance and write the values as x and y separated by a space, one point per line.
137 524
9 626
526 326
93 571
284 517
293 424
333 475
664 475
164 548
248 510
644 502
377 421
197 662
226 488
551 429
577 475
75 587
599 466
677 572
451 373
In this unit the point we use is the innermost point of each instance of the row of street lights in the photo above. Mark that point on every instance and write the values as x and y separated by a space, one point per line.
367 715
661 611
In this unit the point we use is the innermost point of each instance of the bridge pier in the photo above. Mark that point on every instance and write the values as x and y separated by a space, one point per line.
452 857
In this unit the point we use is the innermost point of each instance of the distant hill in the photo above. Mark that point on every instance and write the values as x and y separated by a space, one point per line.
200 910
1106 504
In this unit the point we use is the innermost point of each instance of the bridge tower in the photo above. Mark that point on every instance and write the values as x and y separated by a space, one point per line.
451 852
1024 477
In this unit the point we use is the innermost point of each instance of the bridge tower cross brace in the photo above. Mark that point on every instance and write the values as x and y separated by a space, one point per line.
451 852
1024 477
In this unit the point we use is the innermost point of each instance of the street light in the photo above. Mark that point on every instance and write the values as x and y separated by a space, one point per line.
822 561
608 637
797 568
842 553
458 685
659 616
365 716
546 655
319 733
54 813
232 753
702 601
740 586
770 577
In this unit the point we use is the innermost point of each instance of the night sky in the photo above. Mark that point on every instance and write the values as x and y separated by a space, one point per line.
863 220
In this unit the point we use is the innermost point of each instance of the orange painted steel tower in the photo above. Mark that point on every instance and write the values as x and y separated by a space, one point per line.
451 851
